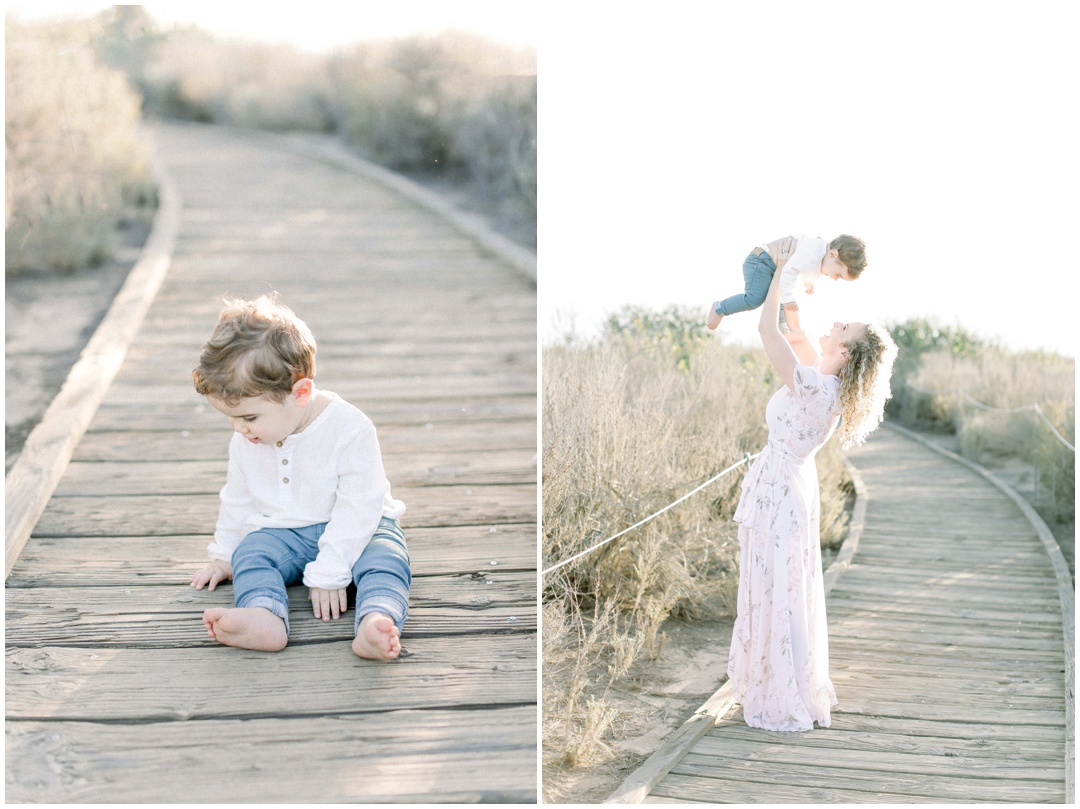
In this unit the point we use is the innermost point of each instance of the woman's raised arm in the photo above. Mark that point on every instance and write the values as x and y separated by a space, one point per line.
777 348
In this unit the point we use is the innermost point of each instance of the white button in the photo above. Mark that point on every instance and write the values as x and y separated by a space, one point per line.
285 461
285 480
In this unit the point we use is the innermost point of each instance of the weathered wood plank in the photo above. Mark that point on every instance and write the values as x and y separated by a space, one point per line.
161 617
875 756
170 560
150 515
833 785
399 388
207 477
467 756
121 415
99 684
394 440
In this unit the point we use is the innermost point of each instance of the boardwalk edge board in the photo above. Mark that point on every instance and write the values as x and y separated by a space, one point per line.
49 447
639 783
336 153
1066 595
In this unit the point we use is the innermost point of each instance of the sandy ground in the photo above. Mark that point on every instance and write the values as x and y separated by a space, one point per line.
48 319
655 698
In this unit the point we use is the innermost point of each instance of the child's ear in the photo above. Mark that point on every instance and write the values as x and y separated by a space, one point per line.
301 391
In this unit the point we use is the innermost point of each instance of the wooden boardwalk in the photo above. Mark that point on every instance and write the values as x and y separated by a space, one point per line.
946 649
114 692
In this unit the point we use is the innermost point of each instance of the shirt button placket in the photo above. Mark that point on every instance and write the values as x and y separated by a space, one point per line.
284 462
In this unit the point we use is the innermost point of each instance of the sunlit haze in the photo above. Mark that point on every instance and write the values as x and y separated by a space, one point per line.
323 26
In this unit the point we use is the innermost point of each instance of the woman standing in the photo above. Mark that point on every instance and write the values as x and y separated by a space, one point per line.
779 659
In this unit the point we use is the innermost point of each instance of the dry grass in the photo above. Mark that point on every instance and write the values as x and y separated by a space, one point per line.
1005 380
75 163
630 424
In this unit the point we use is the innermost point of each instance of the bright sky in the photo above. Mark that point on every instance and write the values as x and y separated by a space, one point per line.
941 133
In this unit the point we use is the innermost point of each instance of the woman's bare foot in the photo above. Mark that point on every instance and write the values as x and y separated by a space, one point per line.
714 319
377 637
247 628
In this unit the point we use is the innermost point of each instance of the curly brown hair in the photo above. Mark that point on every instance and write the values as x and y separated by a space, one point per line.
864 384
258 348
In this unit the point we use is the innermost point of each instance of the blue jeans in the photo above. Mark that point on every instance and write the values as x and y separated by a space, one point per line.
270 559
757 273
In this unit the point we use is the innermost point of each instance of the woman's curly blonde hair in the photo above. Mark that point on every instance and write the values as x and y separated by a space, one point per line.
864 384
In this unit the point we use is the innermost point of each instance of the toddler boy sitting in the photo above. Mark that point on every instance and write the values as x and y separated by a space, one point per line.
306 498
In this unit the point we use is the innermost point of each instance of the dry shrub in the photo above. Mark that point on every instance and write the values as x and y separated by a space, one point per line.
631 423
75 160
1007 380
275 87
454 104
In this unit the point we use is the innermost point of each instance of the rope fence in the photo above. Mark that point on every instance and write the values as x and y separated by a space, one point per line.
983 406
746 460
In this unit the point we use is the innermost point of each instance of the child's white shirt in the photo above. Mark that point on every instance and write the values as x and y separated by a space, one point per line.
331 472
805 261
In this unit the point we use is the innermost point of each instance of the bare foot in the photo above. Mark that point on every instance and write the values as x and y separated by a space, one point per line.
247 628
714 319
377 638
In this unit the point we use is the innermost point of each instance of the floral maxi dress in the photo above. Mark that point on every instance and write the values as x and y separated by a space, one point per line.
779 659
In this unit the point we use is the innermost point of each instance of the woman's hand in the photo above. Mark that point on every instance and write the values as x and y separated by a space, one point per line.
217 571
783 250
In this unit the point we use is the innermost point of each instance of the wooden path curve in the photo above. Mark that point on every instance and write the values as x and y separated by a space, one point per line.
114 692
947 650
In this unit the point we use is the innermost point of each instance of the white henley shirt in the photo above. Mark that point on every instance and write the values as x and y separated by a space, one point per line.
331 472
805 261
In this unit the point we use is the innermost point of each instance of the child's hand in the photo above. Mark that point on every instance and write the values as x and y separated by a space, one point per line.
327 603
809 287
217 571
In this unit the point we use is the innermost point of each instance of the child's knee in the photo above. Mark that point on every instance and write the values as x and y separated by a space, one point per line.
383 556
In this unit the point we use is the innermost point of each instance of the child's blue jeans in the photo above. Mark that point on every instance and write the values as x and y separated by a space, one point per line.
270 559
757 272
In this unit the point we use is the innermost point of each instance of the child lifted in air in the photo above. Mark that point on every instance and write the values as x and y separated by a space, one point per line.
306 498
844 258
